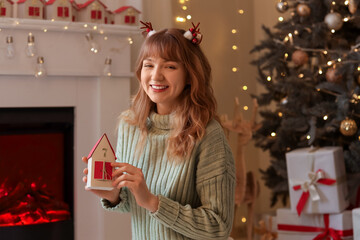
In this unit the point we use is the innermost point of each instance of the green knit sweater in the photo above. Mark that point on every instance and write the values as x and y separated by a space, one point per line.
196 195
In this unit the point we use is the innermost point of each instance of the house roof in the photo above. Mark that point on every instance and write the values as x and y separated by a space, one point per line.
96 145
11 2
22 1
121 9
89 2
52 1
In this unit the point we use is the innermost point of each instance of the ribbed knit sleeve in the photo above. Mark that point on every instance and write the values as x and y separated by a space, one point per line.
215 184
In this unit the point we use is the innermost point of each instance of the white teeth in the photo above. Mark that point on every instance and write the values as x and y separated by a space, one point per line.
158 87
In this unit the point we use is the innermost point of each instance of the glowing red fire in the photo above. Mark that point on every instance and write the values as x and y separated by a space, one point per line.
29 204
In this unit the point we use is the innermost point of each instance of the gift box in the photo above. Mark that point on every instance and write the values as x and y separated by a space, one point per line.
313 226
317 180
356 223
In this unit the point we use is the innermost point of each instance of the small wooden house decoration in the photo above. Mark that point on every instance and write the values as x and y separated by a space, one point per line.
6 8
74 11
92 11
99 165
109 17
127 15
32 9
59 10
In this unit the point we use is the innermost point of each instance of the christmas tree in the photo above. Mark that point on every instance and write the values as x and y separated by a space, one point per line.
309 66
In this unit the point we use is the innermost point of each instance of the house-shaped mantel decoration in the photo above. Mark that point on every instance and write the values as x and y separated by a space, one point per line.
74 12
33 9
109 17
59 10
6 8
92 11
99 165
127 15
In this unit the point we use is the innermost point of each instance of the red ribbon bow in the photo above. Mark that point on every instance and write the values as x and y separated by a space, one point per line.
318 177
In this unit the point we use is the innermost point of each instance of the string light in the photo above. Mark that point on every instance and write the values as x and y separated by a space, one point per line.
233 31
281 19
280 114
234 47
320 71
243 219
346 2
273 134
40 69
268 78
241 11
188 17
332 30
246 108
234 69
325 117
184 8
180 19
244 88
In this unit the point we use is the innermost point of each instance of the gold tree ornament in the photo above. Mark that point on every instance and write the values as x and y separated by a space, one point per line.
348 127
352 6
299 57
303 10
333 76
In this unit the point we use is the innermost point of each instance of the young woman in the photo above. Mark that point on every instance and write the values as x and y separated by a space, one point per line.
175 171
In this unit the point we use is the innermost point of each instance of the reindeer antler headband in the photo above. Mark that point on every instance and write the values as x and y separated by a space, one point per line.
193 34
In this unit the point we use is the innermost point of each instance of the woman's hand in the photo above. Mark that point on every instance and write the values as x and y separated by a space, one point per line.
112 196
126 175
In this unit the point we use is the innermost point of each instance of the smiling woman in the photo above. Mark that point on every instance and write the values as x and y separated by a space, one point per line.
175 171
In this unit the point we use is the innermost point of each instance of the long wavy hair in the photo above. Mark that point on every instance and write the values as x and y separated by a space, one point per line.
198 105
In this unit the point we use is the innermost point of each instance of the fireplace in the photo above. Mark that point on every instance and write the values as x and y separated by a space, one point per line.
74 81
36 173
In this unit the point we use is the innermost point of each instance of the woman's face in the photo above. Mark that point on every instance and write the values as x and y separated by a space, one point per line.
163 81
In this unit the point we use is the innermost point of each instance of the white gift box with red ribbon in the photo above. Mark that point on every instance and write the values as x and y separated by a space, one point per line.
317 180
337 226
356 222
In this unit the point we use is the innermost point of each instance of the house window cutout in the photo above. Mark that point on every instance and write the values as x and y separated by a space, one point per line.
34 11
2 11
129 19
63 12
95 14
103 170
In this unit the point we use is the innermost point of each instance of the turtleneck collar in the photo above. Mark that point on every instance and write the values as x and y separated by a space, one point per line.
160 121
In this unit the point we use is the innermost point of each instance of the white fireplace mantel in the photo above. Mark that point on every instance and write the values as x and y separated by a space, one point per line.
74 79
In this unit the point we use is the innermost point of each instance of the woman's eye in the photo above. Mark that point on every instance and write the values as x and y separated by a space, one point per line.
147 65
172 67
